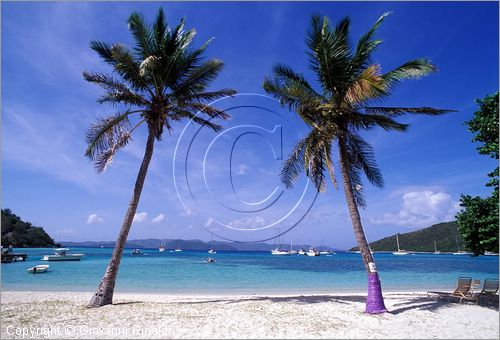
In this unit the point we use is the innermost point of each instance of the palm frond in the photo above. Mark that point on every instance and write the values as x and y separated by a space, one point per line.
413 69
308 155
209 110
277 90
367 45
116 91
329 52
206 96
178 114
160 30
371 121
105 158
399 111
128 68
199 78
361 156
293 166
104 51
99 134
143 35
367 86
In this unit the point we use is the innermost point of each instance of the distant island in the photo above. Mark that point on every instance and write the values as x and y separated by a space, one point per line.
22 234
445 234
193 245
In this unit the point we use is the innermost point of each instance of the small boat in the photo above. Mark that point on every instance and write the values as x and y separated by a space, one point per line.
326 252
211 250
400 251
301 252
278 250
41 268
435 249
209 260
162 248
460 252
137 252
61 254
312 252
490 253
177 250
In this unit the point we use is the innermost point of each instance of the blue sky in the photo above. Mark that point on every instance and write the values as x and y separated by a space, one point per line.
47 106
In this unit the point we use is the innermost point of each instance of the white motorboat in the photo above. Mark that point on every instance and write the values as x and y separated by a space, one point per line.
312 252
137 252
212 251
326 252
209 260
400 251
41 268
177 250
490 253
301 252
61 254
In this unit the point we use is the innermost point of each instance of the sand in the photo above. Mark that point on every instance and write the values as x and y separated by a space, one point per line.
37 315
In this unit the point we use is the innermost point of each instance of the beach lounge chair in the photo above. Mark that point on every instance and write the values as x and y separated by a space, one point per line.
462 292
489 291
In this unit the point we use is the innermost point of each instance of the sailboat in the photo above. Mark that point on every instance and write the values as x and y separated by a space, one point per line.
278 250
435 249
162 246
400 251
211 250
460 252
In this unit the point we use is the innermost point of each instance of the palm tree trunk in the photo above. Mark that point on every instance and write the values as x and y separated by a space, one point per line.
374 301
104 294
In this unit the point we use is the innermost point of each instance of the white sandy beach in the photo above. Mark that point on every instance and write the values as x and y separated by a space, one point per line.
413 315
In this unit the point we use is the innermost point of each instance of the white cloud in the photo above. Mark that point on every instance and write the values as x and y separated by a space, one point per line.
187 212
158 219
247 222
140 217
242 169
94 219
421 209
209 222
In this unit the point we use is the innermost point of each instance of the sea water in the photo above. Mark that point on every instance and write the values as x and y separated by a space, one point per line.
244 272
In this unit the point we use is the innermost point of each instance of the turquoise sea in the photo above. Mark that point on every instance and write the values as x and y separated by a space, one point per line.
244 272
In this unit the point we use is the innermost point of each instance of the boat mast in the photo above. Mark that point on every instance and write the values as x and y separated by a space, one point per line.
397 240
435 248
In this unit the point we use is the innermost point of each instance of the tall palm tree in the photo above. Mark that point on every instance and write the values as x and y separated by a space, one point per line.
159 81
351 85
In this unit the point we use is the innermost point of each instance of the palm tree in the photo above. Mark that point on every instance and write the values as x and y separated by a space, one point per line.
160 81
351 86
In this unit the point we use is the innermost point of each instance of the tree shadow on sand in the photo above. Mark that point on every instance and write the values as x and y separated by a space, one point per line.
433 304
420 302
299 299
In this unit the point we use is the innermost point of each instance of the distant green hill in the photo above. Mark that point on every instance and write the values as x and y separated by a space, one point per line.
444 234
23 234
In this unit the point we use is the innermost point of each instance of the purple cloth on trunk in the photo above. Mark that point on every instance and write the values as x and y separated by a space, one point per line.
374 301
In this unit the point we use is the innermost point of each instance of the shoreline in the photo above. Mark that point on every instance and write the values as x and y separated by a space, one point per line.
339 315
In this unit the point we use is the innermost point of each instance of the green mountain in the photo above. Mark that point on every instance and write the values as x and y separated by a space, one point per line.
445 234
23 234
